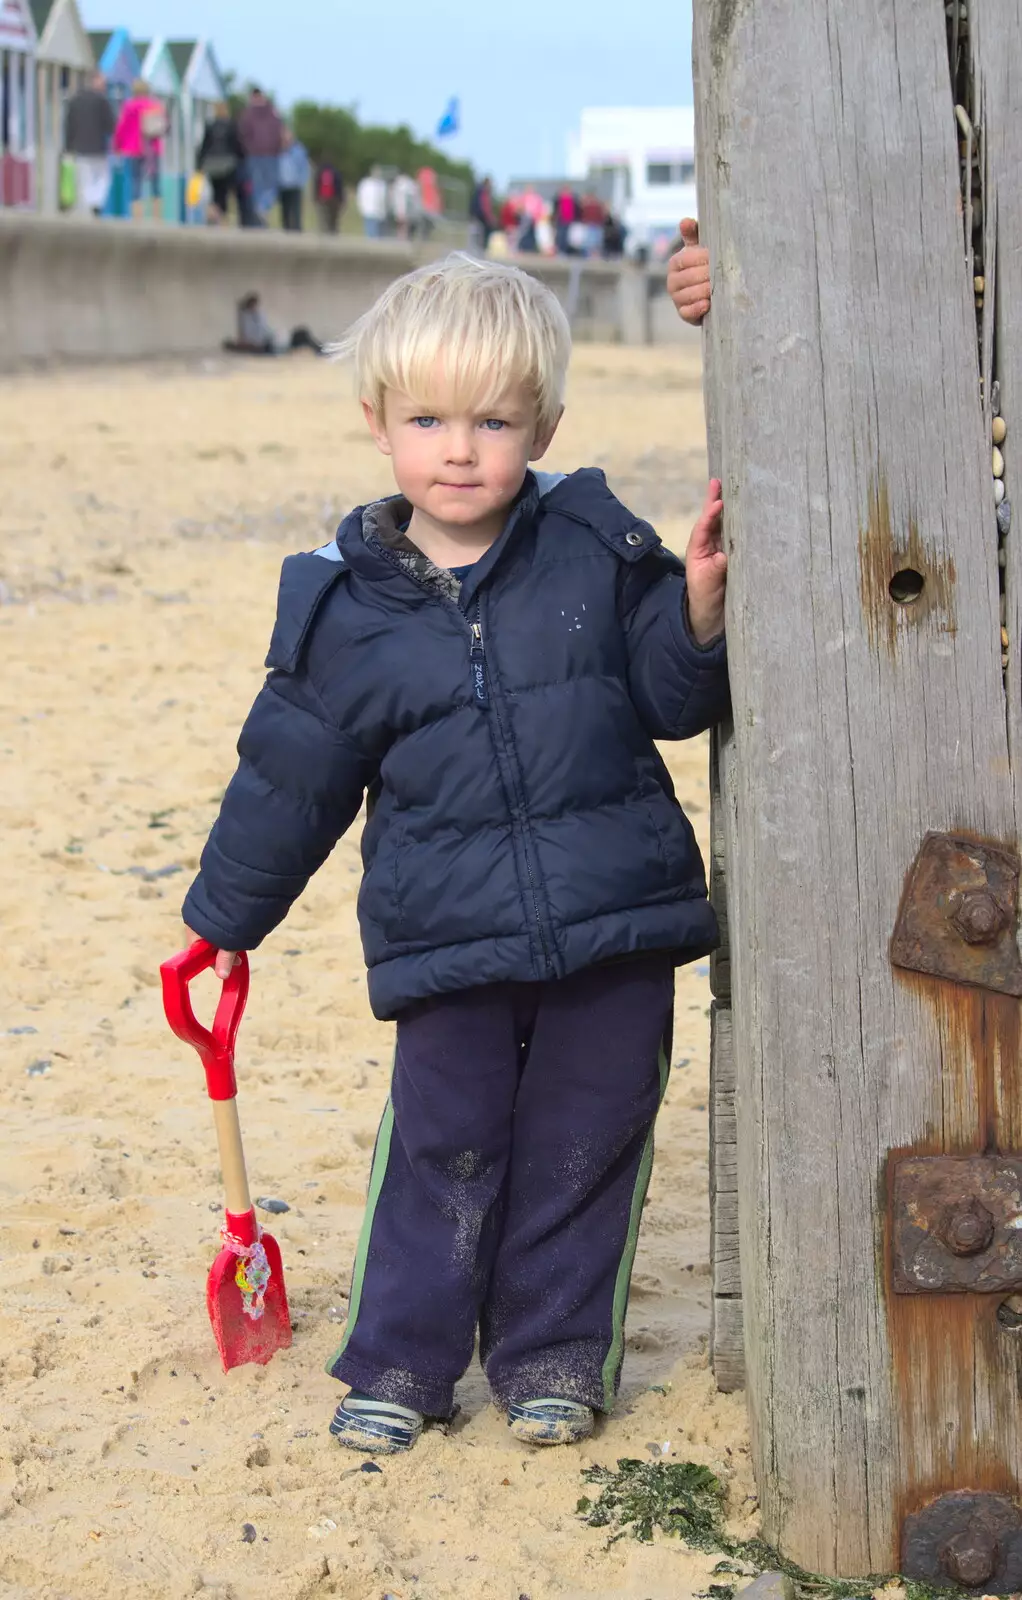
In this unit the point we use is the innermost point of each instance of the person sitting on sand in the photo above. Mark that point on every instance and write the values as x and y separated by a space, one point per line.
255 337
490 655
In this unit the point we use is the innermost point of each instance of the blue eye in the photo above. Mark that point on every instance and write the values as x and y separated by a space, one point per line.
424 422
494 424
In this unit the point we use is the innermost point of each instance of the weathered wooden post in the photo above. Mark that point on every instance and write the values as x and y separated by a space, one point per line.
860 165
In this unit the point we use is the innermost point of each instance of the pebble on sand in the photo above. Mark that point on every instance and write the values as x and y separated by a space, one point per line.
248 1533
275 1207
999 429
770 1586
998 461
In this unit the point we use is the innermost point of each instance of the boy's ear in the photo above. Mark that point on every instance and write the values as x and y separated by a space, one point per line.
376 428
544 438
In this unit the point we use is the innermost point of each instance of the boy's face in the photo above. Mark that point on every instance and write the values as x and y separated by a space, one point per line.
460 466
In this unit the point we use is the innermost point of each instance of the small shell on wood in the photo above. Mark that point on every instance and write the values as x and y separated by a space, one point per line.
1004 518
998 430
1002 557
995 397
979 283
998 463
998 491
1004 638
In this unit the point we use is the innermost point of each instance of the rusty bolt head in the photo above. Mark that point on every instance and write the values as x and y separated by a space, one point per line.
970 1557
968 1227
979 917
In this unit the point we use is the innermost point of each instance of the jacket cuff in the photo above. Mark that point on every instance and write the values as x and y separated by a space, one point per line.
706 657
195 918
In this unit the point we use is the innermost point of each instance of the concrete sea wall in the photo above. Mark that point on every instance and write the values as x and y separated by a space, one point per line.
73 289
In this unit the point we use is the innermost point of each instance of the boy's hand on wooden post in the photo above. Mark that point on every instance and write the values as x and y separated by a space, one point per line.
706 570
688 275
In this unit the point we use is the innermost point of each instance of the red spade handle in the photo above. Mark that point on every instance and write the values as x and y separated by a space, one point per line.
216 1047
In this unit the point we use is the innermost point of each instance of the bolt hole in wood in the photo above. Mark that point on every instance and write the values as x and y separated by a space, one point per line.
906 586
1009 1314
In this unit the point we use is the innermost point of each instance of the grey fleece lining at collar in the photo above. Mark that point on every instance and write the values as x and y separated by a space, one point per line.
381 523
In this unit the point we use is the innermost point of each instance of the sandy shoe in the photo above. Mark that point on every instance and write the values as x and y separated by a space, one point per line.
375 1427
550 1421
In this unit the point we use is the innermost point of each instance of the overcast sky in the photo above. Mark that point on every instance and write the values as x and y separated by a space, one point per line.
523 72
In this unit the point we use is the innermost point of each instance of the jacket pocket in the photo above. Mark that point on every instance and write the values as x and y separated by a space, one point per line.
380 898
676 838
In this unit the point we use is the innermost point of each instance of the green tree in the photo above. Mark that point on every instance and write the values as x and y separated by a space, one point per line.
334 133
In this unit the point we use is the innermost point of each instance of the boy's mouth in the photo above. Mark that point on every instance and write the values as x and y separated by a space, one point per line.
461 485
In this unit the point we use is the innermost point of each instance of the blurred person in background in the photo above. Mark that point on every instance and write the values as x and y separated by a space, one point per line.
138 137
262 139
405 205
614 235
431 204
293 172
371 199
88 128
566 214
328 187
509 220
256 337
482 216
219 159
592 215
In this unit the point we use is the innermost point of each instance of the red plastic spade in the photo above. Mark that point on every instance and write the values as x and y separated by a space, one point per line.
245 1292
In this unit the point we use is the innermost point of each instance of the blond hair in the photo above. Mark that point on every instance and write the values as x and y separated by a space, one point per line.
466 328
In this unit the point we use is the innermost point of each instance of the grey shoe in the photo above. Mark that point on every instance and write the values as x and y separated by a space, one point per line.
550 1421
375 1427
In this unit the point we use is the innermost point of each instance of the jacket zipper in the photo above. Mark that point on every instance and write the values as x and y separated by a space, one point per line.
480 686
481 694
477 661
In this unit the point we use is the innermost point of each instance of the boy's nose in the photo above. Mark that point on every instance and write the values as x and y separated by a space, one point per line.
461 446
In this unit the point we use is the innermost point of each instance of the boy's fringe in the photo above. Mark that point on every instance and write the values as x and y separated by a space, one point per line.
461 330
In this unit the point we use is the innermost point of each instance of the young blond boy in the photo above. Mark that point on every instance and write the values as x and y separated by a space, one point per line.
488 655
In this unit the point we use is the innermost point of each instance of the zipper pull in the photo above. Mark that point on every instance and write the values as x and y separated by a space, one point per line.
477 659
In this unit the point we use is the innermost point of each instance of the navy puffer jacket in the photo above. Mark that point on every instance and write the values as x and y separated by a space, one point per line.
521 823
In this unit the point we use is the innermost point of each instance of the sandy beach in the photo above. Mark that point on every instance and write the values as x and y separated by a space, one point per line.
144 516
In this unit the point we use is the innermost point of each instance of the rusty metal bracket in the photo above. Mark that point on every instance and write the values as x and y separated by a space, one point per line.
967 1538
959 913
957 1224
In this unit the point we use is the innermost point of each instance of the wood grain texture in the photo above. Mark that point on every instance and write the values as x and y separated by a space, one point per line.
846 425
723 1158
728 1339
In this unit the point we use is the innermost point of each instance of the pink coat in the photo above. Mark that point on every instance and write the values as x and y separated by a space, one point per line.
129 139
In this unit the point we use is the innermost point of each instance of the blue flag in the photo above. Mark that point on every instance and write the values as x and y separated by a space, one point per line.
450 122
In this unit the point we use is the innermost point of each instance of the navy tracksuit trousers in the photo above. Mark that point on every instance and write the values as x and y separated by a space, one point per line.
507 1187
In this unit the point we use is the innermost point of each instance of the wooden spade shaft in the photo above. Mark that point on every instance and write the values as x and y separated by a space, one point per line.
232 1156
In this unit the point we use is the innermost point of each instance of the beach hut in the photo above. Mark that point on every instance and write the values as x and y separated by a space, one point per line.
117 59
202 86
159 70
17 104
64 60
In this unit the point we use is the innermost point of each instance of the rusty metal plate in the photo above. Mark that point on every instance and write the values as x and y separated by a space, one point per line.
967 1538
959 913
957 1224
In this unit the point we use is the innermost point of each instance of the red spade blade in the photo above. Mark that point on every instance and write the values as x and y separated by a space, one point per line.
239 1337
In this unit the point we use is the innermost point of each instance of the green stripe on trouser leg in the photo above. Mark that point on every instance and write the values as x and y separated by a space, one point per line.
378 1171
612 1365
